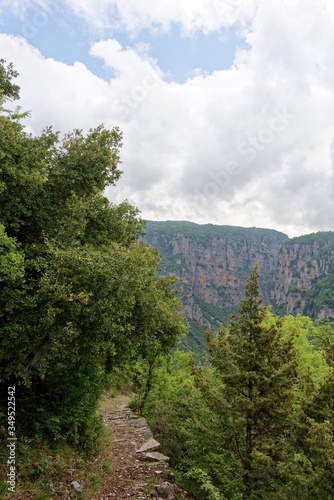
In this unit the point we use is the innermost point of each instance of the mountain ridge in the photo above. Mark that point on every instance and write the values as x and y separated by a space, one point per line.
213 262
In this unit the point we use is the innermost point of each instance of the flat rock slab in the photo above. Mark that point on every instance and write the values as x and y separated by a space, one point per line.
150 445
156 456
138 422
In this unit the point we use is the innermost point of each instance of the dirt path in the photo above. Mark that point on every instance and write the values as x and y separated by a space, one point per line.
132 477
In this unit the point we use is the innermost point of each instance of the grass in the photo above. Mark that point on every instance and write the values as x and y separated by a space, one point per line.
44 472
150 484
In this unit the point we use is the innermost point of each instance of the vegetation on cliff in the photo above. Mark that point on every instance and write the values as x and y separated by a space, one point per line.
205 231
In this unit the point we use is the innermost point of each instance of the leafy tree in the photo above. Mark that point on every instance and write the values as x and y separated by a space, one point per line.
79 294
8 90
311 472
11 259
268 397
309 338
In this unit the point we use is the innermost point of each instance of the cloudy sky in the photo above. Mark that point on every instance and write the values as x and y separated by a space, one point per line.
226 106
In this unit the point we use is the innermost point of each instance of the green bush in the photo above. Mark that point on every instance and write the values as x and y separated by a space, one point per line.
203 483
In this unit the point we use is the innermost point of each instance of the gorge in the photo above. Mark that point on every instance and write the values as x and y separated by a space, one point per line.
213 262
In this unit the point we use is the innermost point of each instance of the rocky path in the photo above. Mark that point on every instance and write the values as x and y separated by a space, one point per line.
133 476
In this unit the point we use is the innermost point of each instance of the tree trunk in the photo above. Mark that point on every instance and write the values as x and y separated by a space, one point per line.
247 478
148 385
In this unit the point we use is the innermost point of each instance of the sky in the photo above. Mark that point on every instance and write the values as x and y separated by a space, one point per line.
226 106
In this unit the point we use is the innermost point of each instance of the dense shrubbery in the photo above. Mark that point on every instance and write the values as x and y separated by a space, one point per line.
258 421
79 293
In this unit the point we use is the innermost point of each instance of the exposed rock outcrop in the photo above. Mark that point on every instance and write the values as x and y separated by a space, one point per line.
303 264
212 264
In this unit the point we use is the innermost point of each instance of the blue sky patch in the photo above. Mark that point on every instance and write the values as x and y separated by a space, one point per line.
179 56
63 37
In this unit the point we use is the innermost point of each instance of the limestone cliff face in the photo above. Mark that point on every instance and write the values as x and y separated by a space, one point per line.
216 269
304 266
212 263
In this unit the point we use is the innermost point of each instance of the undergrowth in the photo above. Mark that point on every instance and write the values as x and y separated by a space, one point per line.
45 471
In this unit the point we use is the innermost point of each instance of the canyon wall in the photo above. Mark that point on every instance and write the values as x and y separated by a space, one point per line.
304 279
212 264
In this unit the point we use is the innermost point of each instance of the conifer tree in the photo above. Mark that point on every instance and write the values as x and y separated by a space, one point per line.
258 369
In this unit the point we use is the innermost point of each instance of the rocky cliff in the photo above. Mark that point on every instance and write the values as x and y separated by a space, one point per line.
304 280
213 262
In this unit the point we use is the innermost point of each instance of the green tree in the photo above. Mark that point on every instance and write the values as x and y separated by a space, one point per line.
258 369
267 397
309 340
8 89
79 294
311 472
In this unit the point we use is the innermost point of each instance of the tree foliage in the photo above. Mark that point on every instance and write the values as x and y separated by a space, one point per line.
258 421
259 371
79 294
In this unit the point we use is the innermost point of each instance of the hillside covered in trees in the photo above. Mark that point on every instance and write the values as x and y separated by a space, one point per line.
84 308
256 422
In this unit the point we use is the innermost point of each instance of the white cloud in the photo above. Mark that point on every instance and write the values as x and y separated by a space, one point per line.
64 96
192 15
131 15
20 7
252 145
